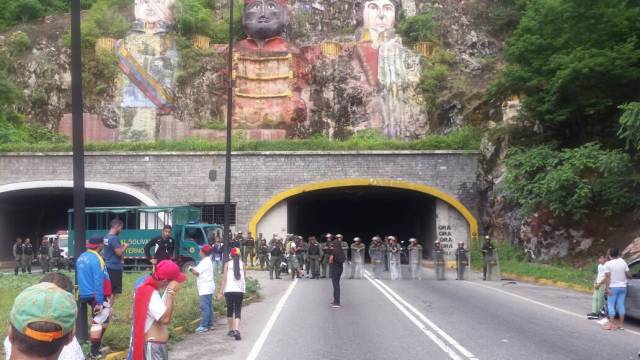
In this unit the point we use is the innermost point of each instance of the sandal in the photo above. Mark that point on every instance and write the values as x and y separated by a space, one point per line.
609 326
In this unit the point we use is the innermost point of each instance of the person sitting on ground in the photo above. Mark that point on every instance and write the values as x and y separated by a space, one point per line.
206 288
152 312
71 351
616 273
597 299
42 322
233 288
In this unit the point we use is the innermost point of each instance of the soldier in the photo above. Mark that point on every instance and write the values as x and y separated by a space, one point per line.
415 259
301 252
393 252
27 255
438 257
385 244
17 254
248 246
55 253
461 260
273 240
43 254
237 241
357 258
325 255
314 253
263 254
276 258
345 250
376 253
487 255
292 262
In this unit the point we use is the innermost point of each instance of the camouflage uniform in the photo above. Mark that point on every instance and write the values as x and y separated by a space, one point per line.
462 261
314 253
263 254
357 258
376 253
438 257
415 259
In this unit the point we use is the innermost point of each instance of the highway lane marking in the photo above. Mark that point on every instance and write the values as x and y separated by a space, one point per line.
449 351
551 307
257 347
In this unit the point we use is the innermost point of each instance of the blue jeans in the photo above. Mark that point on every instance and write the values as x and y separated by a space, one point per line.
207 316
616 301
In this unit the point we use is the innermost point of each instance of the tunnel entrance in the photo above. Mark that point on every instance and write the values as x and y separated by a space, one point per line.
364 211
36 212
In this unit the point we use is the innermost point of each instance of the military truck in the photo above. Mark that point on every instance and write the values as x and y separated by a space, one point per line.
142 223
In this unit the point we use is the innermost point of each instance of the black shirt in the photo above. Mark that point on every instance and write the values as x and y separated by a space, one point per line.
336 252
164 249
28 249
314 249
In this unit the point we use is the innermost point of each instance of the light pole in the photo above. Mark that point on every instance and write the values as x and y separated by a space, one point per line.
227 174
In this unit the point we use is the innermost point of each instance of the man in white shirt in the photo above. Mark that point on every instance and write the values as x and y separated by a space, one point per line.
616 274
206 287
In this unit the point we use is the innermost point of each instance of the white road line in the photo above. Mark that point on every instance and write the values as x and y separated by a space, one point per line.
531 301
433 326
452 354
255 350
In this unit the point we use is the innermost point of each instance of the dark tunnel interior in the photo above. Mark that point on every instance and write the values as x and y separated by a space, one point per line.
37 212
364 211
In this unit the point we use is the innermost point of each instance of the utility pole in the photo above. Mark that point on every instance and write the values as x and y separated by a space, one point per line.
227 173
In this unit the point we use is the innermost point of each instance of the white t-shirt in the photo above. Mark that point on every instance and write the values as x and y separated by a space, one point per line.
617 268
157 307
73 351
600 276
205 282
233 285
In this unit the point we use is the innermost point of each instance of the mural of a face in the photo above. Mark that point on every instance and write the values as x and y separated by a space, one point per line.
378 15
264 19
151 11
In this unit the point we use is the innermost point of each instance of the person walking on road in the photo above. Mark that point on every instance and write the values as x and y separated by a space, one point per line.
616 273
487 255
113 253
314 253
357 258
336 261
462 261
376 253
597 299
393 253
43 255
206 288
163 246
18 249
27 255
415 259
233 287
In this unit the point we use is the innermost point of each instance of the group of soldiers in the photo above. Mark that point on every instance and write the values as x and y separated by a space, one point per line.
48 253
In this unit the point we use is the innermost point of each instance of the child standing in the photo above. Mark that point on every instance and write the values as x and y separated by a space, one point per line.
598 291
206 287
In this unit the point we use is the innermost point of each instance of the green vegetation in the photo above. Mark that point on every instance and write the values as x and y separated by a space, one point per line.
197 17
17 43
573 182
117 336
464 139
421 27
630 125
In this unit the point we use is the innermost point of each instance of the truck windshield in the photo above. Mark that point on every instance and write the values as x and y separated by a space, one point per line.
194 234
213 232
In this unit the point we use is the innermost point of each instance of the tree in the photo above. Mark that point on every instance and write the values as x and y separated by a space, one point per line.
25 10
574 62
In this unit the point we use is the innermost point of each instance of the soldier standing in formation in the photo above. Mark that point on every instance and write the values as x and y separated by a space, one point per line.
263 254
345 250
292 261
393 253
55 254
487 255
314 253
17 255
43 254
357 258
385 244
248 246
415 259
438 256
461 260
276 257
301 252
376 253
325 255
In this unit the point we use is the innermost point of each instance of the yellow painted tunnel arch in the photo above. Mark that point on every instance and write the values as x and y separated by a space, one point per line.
389 183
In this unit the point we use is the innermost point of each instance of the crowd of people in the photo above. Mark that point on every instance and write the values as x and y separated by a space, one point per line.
48 254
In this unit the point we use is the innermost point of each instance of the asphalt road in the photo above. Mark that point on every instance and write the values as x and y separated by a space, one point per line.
432 319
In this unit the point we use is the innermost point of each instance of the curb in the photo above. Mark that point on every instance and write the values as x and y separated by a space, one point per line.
548 282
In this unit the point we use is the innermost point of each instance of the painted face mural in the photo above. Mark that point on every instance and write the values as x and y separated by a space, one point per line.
264 19
378 15
151 11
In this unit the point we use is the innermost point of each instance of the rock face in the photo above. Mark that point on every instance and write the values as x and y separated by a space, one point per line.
632 251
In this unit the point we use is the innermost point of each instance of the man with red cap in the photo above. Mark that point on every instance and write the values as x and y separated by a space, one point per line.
152 312
206 287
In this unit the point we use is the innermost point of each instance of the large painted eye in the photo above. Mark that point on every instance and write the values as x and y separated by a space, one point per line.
388 8
271 6
372 6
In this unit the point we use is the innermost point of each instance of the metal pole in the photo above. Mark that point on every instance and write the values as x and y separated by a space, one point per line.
227 173
78 154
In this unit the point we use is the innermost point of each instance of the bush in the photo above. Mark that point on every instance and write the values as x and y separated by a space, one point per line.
630 125
572 183
24 10
421 27
17 43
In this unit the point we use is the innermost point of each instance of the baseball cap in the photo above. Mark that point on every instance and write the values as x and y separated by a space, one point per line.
95 241
168 270
206 248
44 302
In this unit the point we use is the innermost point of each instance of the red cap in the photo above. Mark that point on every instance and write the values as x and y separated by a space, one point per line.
234 251
168 270
206 248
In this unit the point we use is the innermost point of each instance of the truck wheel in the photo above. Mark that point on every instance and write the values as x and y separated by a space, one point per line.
185 266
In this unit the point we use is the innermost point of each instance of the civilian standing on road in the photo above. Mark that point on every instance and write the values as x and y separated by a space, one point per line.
163 245
233 288
206 288
27 255
597 299
336 261
17 255
113 253
616 273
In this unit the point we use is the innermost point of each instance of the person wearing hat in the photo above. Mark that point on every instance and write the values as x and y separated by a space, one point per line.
393 254
487 255
152 312
357 258
42 322
324 248
314 253
94 290
206 288
376 253
344 245
233 288
415 259
275 250
462 260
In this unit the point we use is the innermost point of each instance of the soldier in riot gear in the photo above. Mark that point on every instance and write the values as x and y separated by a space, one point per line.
393 253
438 257
462 261
357 258
415 259
376 253
314 253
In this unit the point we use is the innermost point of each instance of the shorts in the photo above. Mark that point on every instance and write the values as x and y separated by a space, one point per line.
116 280
156 350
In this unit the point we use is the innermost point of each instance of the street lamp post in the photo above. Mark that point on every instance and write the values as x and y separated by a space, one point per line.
227 174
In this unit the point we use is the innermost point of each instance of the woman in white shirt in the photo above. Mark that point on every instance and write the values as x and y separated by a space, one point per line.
206 288
233 287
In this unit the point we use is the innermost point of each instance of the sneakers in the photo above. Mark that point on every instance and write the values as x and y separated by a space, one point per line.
593 316
237 336
231 333
334 305
202 329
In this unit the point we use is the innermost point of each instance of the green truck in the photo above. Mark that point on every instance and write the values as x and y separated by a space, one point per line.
142 223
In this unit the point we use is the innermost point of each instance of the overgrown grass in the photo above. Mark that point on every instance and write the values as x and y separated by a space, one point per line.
117 336
464 139
512 261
